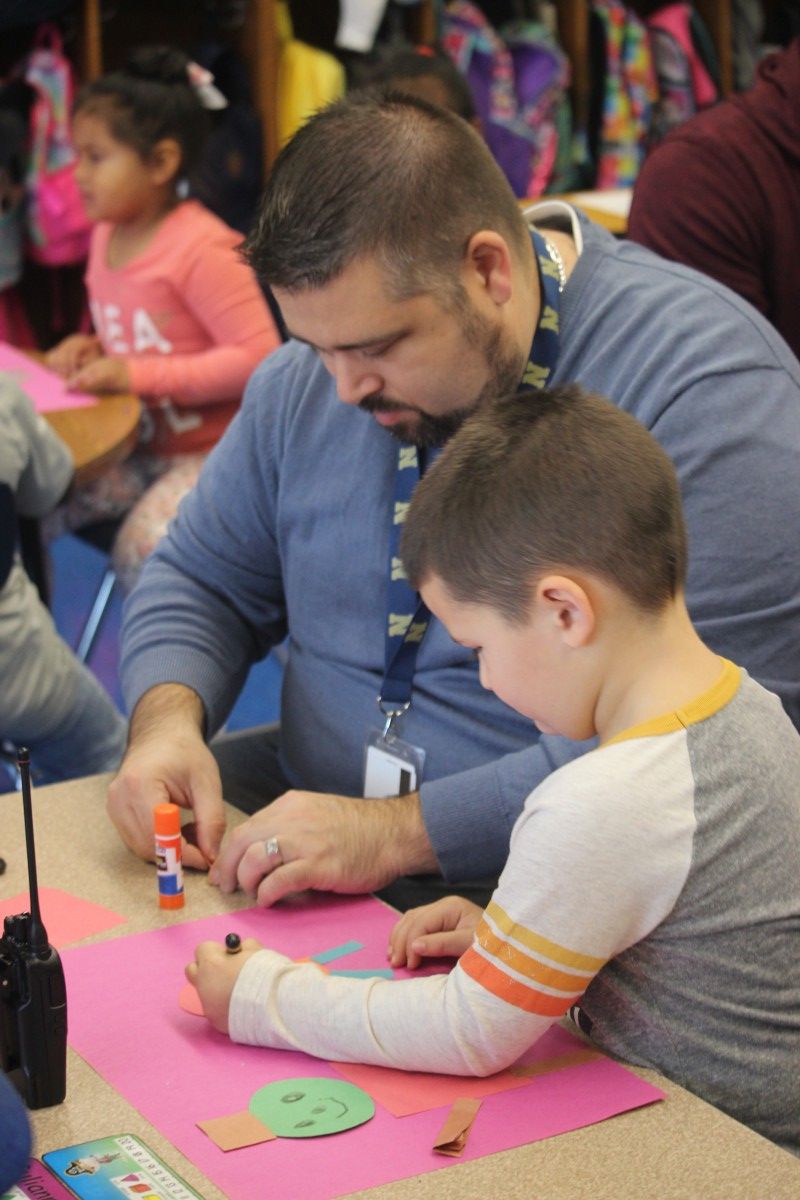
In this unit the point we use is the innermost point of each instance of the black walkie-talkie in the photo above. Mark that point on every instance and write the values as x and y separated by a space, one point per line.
33 998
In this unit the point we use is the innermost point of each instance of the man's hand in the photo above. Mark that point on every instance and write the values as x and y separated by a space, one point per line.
74 352
168 761
444 929
214 973
102 375
330 843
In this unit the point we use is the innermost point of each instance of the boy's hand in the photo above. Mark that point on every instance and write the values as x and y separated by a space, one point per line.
102 375
74 352
214 973
441 930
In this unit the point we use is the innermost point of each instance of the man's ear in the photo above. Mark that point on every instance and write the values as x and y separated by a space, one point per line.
165 161
487 262
568 606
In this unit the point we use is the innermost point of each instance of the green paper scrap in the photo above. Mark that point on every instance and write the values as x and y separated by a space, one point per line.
326 956
301 1108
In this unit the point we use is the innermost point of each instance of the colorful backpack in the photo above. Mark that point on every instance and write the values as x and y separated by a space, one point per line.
624 95
685 84
57 226
518 78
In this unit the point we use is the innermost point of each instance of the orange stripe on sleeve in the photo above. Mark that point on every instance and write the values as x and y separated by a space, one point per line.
511 990
530 967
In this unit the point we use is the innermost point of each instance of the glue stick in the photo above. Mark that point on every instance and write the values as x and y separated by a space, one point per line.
168 855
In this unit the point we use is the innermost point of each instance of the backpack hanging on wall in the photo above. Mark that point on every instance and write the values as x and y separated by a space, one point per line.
519 88
685 84
57 226
623 94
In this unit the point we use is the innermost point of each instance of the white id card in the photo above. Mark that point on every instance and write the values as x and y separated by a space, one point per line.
392 767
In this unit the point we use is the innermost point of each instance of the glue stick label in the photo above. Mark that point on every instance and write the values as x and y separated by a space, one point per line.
168 855
170 871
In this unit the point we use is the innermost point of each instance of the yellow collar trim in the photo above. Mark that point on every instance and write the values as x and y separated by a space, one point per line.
699 709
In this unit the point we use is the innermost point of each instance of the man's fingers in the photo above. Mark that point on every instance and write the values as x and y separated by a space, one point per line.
208 832
284 881
224 873
207 811
192 857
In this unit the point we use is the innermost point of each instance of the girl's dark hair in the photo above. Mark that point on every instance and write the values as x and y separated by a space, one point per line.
403 70
149 99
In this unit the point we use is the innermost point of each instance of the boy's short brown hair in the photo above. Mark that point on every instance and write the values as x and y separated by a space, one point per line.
544 481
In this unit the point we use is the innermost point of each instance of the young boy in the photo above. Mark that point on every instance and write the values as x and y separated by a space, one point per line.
655 879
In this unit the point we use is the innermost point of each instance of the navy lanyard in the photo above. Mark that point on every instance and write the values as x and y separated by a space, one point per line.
407 615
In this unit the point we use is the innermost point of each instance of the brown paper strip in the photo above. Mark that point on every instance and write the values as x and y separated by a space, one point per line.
238 1130
547 1065
454 1133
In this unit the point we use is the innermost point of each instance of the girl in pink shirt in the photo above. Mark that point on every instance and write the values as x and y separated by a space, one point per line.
179 317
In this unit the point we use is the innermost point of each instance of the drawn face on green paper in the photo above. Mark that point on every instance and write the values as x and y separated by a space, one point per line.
296 1108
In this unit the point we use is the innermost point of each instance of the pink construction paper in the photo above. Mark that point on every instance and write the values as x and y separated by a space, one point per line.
66 918
38 1184
47 391
175 1069
407 1092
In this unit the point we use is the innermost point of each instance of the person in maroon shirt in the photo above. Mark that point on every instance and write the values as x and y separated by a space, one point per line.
721 193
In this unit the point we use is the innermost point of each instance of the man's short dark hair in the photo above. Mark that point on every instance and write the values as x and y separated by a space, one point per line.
554 480
384 176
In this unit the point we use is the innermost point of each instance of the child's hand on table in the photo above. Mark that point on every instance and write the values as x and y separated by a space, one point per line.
76 351
214 973
443 929
102 375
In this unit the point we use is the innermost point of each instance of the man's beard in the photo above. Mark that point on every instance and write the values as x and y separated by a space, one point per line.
505 372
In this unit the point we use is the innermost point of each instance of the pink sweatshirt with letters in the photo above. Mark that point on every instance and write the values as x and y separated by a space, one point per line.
190 320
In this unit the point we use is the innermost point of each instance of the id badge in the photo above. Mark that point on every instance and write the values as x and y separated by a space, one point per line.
392 767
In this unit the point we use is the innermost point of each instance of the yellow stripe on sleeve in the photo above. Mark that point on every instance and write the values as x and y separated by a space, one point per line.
540 945
524 964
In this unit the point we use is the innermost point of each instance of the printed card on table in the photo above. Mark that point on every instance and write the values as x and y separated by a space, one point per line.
117 1168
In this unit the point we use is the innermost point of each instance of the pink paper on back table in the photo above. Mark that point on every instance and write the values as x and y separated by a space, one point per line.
191 1073
47 390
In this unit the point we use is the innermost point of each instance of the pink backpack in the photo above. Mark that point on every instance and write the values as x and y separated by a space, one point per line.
57 226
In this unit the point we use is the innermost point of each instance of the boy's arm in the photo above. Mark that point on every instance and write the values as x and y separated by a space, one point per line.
536 950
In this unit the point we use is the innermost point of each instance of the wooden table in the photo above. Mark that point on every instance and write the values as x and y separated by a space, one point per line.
680 1149
100 435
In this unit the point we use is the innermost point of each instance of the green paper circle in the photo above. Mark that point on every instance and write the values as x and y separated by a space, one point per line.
296 1108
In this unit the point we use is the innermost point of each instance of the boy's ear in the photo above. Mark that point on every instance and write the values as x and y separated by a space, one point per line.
165 160
569 607
487 262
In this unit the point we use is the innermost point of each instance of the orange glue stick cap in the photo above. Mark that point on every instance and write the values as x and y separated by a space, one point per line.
167 820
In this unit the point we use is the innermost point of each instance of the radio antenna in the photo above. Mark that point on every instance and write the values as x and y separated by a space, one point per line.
38 934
